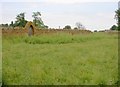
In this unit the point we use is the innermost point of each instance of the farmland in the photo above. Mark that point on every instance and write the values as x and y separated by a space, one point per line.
60 59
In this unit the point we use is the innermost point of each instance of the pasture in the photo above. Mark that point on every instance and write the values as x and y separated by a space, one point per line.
60 59
0 59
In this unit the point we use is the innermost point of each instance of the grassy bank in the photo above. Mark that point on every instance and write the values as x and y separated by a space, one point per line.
60 59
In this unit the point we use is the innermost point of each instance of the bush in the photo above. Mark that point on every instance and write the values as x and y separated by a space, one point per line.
67 27
114 27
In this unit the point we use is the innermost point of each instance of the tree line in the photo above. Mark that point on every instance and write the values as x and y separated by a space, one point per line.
78 25
21 21
37 21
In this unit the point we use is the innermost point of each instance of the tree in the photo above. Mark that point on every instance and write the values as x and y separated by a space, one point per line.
95 30
79 25
67 27
114 27
117 16
12 24
20 20
75 28
4 25
46 26
37 20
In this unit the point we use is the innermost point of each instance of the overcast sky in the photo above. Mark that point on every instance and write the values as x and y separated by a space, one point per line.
93 14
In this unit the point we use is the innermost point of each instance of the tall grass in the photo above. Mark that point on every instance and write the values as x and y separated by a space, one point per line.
59 38
60 59
0 59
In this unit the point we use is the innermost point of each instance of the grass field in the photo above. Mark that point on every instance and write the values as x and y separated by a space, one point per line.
60 59
0 59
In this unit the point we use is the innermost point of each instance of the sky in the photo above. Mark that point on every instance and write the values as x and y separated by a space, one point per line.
93 14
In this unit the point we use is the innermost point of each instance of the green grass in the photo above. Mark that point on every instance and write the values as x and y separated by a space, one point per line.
0 59
60 59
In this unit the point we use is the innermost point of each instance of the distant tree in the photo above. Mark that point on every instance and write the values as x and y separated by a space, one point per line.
12 24
46 26
75 28
37 20
36 16
117 16
79 25
67 27
20 20
114 27
4 25
95 30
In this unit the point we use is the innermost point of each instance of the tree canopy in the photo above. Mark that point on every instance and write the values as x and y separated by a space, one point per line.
79 25
117 16
38 21
67 27
114 27
20 20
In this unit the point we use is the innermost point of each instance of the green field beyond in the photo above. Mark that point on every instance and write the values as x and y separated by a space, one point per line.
60 59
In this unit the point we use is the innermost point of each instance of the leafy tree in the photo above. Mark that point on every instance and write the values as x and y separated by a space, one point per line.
4 25
46 26
114 27
20 20
79 25
75 28
95 30
117 16
12 24
67 27
37 20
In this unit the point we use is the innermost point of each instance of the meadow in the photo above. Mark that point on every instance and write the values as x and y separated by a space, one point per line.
0 59
60 59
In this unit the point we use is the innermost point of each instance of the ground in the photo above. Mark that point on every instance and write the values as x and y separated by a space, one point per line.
60 59
0 59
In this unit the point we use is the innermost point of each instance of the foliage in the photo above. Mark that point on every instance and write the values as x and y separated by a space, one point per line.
117 16
114 27
4 25
20 20
60 59
12 24
67 27
95 30
75 28
37 20
80 26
